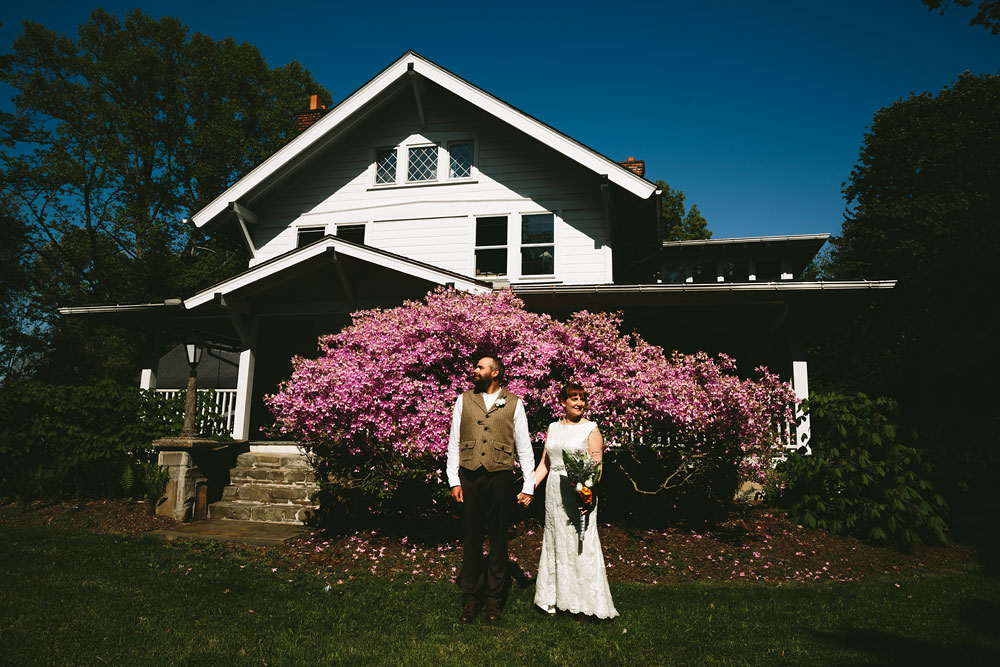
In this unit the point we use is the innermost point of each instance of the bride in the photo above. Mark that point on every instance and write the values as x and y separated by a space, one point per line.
570 577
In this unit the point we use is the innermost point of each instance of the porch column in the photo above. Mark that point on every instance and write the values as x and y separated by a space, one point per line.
800 375
244 391
150 359
800 384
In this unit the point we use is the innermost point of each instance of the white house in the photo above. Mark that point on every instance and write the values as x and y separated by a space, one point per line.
419 179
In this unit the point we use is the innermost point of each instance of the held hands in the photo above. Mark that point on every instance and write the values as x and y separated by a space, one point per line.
522 498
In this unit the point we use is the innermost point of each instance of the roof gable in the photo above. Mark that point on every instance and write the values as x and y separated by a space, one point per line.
342 117
403 266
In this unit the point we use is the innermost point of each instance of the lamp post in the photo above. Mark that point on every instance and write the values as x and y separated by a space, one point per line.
194 346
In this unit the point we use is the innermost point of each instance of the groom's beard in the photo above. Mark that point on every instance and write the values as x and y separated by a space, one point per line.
480 385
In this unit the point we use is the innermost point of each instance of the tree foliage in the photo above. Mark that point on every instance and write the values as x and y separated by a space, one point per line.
924 207
680 223
117 135
13 290
987 13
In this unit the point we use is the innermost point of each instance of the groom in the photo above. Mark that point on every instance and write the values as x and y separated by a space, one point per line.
488 424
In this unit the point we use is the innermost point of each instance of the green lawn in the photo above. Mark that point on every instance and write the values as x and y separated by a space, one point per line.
82 598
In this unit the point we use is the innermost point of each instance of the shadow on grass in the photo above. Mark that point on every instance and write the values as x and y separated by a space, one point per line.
879 646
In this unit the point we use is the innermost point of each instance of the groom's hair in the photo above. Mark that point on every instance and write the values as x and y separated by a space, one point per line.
497 364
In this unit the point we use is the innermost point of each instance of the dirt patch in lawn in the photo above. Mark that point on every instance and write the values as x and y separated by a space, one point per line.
759 545
119 517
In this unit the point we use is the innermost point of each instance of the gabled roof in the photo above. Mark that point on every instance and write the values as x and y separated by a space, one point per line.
341 248
340 117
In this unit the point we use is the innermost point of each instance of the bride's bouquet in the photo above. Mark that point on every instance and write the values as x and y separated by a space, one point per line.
583 473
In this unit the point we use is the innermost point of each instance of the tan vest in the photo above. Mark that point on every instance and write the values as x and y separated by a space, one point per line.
486 438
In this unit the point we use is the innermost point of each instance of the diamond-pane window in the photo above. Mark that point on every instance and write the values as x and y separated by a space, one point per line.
460 161
385 166
422 164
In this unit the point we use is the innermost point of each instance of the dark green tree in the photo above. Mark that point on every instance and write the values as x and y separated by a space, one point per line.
924 208
14 270
987 13
119 134
679 223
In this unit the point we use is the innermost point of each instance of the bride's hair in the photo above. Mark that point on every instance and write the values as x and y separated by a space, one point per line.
571 388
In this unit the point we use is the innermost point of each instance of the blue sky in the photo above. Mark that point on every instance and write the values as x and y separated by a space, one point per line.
756 111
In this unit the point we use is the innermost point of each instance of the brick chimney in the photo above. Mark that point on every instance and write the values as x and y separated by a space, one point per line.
637 167
306 118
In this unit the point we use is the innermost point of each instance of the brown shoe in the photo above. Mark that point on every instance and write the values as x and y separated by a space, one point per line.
469 611
492 612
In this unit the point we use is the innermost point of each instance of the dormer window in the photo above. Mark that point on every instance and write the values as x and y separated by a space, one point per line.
417 161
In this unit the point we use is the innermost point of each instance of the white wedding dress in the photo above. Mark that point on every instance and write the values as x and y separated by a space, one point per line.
570 578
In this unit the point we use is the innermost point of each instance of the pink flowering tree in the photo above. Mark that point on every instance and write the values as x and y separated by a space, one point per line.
374 407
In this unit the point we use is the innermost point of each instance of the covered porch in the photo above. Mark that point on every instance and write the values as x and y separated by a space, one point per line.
277 310
756 323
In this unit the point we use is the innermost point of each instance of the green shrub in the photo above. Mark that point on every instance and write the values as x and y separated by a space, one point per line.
861 479
62 441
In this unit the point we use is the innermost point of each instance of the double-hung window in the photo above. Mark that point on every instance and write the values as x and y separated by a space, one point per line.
491 246
538 244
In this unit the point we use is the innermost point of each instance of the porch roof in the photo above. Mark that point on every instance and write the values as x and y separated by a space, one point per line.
734 309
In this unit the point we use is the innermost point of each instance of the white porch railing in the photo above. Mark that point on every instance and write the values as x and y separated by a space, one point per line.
225 404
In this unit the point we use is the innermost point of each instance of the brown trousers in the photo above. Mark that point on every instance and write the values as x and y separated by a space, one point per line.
488 498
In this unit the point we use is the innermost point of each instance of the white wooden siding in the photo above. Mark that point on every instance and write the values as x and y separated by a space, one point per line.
443 242
435 223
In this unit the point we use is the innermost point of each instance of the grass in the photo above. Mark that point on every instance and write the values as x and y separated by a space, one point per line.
80 598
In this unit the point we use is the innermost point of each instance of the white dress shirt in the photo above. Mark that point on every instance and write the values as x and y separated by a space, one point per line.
522 441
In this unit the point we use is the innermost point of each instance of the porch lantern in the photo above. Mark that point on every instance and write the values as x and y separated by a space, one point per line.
193 345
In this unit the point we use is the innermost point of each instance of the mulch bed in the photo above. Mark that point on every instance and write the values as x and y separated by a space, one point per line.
759 545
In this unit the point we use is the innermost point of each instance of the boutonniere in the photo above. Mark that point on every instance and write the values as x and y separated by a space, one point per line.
500 402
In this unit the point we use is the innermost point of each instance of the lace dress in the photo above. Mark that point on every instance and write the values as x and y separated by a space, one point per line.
569 577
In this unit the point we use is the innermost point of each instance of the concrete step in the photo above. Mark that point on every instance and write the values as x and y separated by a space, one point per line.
265 512
271 493
269 488
255 459
251 475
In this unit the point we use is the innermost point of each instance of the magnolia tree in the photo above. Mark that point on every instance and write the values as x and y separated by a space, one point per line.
375 407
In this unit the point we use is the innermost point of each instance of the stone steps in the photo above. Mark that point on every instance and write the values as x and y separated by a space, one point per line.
271 488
